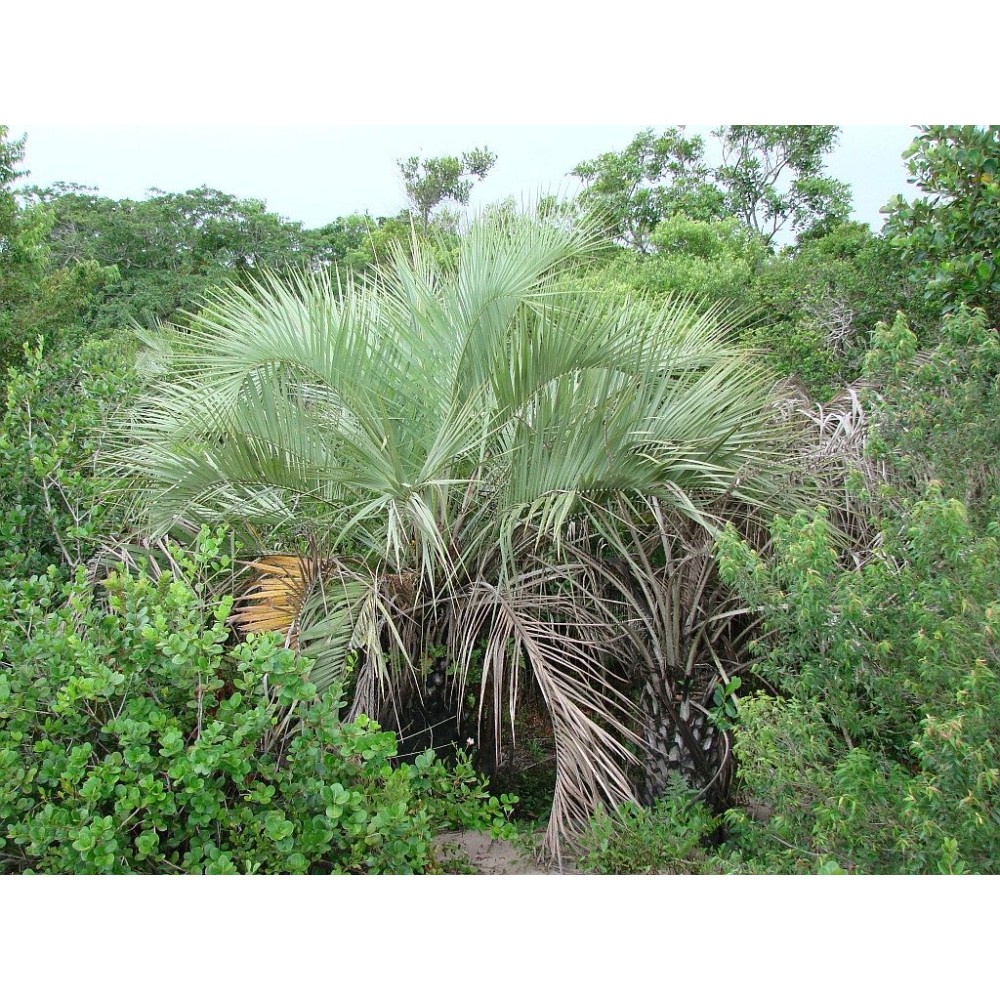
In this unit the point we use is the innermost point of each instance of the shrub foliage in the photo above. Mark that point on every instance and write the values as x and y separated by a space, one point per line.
136 738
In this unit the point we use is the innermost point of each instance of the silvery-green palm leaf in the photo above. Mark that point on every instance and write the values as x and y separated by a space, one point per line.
455 442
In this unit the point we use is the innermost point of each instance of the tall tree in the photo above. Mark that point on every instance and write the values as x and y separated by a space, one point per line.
11 154
949 236
430 182
168 248
15 251
22 256
353 244
654 177
774 178
770 178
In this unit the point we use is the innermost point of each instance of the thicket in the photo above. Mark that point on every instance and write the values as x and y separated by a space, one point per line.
839 663
137 737
867 732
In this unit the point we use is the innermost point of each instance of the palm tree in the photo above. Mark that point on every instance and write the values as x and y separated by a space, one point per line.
489 469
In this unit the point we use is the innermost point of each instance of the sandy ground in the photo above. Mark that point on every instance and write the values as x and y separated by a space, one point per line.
491 857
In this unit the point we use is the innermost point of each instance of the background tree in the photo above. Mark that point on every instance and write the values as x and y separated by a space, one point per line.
355 244
430 182
167 248
655 176
769 177
351 243
22 256
949 237
11 154
773 177
712 262
815 306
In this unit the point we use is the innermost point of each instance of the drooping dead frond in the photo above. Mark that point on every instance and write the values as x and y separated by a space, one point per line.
564 643
839 428
275 599
833 451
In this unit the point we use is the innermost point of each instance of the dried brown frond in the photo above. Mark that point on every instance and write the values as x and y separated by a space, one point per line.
274 600
833 451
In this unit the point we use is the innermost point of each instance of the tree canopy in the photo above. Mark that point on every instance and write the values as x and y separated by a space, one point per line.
770 178
949 235
432 181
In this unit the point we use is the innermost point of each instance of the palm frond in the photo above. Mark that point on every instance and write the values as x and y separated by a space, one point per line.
274 600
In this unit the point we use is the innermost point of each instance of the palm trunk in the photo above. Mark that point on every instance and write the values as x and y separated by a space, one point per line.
679 738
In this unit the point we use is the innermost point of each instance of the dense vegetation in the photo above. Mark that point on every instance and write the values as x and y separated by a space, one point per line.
673 510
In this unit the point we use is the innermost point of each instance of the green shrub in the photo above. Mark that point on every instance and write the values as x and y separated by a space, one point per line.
667 837
134 738
883 752
937 415
799 350
713 263
52 493
949 237
816 306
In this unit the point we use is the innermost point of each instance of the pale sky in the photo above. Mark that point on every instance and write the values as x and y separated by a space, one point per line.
278 101
313 174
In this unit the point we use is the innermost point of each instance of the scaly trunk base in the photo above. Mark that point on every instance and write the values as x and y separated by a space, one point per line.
679 739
